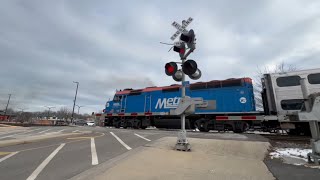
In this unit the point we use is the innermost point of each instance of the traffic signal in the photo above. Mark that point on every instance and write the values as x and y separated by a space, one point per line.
189 38
180 48
190 68
171 69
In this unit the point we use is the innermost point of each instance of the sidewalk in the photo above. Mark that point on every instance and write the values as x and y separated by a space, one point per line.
209 159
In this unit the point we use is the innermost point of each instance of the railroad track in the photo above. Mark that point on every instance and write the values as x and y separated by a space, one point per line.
287 138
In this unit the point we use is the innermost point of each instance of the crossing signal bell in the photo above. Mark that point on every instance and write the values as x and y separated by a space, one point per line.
171 69
190 68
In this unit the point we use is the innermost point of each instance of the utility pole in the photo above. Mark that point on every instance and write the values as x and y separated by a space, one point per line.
5 112
49 108
74 101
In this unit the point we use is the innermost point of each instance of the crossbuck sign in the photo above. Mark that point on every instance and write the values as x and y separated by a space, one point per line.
180 28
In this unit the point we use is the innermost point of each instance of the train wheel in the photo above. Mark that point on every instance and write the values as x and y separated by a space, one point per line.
203 127
137 125
240 127
117 125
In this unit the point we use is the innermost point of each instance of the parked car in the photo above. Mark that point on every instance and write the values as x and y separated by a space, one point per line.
80 122
90 123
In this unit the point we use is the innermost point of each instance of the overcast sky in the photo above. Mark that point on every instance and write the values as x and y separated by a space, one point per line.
107 45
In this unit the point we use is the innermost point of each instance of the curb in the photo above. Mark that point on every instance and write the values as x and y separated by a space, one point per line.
103 167
17 142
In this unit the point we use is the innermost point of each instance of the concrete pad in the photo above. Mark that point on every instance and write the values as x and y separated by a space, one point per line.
209 159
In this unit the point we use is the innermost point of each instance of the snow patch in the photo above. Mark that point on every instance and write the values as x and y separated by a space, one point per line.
291 152
197 130
295 156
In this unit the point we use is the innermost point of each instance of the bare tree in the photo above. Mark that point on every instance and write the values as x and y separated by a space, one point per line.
280 68
24 117
63 113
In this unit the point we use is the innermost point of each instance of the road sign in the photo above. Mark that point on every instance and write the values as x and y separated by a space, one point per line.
181 28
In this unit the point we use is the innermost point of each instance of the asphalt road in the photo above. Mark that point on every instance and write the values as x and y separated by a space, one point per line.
65 157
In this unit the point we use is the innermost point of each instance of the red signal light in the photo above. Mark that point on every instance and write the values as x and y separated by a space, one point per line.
181 49
171 68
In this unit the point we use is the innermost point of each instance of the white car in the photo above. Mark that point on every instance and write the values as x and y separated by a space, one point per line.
90 123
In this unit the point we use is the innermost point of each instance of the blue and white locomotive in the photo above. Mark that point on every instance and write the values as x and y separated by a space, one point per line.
228 104
151 106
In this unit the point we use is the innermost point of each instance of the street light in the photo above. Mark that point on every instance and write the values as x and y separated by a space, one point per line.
79 108
74 101
49 107
22 109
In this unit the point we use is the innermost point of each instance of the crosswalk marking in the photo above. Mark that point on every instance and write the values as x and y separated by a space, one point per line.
124 144
75 131
61 130
8 132
19 133
94 153
44 131
36 172
8 156
142 137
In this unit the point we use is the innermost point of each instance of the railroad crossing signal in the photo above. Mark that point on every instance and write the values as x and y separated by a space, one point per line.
189 67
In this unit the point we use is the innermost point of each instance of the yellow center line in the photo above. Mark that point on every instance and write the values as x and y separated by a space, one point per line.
4 153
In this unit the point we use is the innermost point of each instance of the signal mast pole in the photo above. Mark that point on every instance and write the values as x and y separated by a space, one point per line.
182 143
189 67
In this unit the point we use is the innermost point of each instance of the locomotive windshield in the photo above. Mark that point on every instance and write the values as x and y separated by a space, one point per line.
117 98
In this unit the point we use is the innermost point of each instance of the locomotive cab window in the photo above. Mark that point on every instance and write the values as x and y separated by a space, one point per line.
116 98
288 81
292 104
314 78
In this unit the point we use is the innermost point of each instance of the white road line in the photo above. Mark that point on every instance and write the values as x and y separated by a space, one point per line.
75 131
94 153
44 163
142 137
14 131
30 131
43 131
124 144
18 133
7 156
61 130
